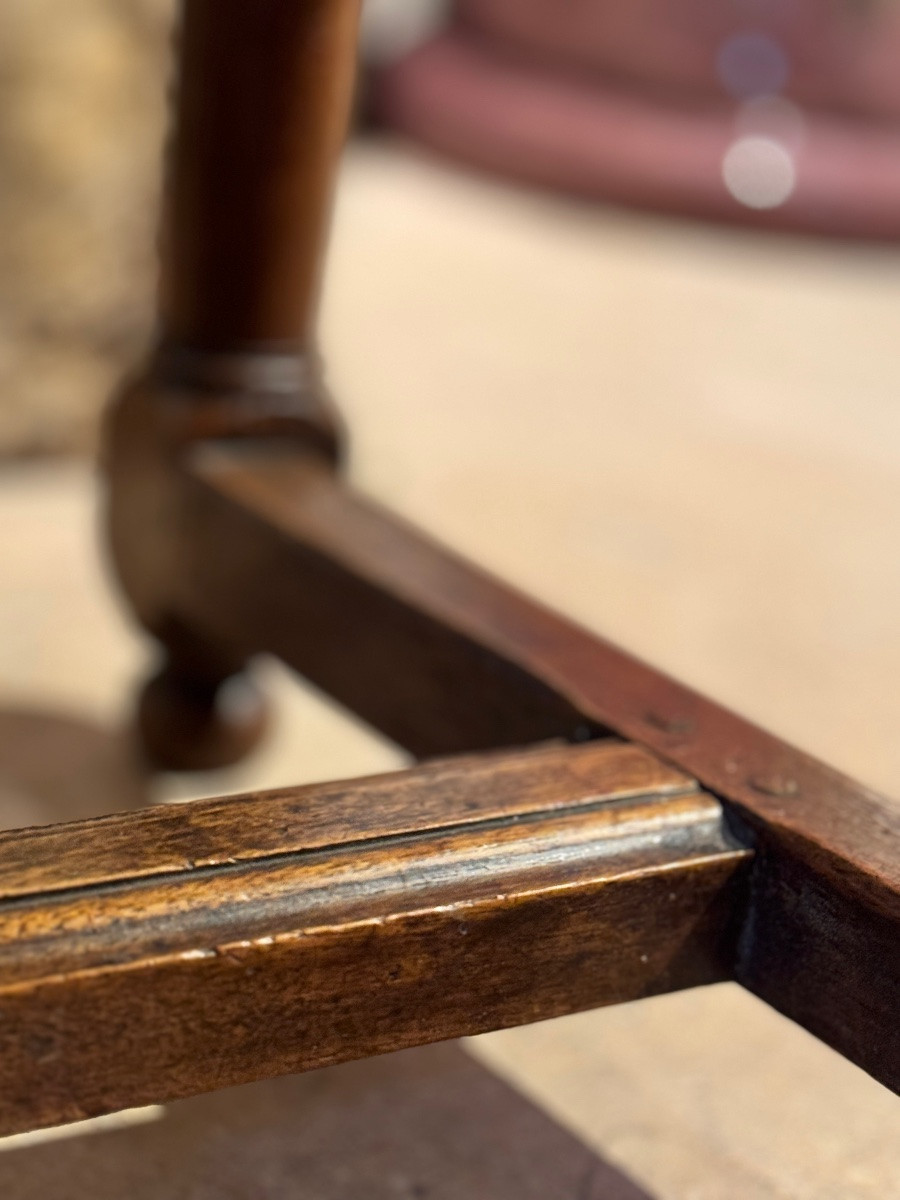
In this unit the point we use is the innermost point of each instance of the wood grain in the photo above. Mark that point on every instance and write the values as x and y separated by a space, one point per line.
519 906
168 839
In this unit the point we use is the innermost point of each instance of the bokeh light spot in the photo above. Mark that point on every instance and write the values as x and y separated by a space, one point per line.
759 172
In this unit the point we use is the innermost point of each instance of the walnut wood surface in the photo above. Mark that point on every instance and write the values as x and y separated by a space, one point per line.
263 97
443 657
168 839
566 889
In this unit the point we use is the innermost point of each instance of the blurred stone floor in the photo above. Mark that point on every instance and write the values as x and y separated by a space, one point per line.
688 439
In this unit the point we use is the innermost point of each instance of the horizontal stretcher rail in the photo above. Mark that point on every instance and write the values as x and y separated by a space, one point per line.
155 955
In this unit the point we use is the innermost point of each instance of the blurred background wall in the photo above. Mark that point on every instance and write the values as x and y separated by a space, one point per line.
784 114
82 97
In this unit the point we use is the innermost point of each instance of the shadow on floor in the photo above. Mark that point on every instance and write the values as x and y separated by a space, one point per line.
427 1124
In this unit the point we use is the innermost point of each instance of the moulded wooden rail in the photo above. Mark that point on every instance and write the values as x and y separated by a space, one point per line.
230 940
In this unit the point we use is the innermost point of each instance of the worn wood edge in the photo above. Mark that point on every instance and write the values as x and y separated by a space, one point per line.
507 932
457 791
196 912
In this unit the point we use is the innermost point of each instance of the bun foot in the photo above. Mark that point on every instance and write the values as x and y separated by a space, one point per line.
188 723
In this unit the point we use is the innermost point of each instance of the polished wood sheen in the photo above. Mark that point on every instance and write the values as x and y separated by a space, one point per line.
212 944
168 839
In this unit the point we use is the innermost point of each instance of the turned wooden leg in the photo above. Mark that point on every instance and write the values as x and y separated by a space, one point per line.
261 109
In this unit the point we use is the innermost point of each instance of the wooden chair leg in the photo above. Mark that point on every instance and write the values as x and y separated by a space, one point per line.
202 709
262 102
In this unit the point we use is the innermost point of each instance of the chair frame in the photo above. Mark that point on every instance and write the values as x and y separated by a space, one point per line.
590 831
